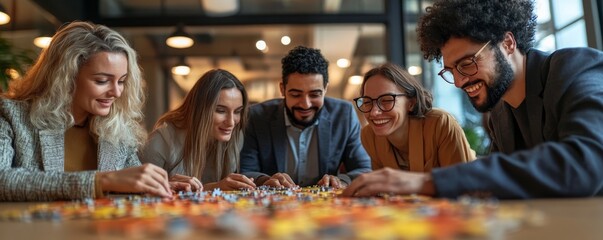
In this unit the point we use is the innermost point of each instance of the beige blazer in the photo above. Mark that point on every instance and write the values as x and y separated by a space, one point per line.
434 141
32 160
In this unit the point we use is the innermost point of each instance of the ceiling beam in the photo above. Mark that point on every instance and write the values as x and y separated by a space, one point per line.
202 20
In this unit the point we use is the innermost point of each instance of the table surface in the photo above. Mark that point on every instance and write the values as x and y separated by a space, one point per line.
579 218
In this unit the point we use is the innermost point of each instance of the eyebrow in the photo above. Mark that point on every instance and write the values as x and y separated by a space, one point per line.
108 75
311 91
223 106
458 60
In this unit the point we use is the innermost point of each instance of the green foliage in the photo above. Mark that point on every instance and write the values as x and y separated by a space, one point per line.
12 58
478 139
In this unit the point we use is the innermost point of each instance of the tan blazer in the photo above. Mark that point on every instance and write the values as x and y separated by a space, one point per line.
434 141
32 160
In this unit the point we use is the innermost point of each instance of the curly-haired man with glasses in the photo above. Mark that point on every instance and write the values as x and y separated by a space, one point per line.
546 108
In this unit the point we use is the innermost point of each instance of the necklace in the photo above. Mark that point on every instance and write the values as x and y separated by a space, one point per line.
403 163
82 125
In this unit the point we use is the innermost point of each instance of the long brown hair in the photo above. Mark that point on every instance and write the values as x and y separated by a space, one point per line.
196 115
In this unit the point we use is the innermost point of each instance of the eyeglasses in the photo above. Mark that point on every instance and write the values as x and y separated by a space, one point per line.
385 102
466 67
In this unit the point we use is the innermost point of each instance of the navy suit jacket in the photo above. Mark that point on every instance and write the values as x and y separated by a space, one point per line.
564 102
265 147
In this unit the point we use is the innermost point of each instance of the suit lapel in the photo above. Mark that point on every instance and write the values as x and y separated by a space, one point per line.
534 88
52 144
503 127
324 141
279 138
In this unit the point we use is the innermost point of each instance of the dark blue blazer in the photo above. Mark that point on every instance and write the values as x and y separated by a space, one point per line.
265 148
564 101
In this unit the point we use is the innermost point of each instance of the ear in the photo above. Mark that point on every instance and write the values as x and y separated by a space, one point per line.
325 91
282 87
411 103
509 44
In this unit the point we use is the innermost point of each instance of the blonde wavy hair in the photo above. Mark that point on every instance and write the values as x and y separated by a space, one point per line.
50 84
196 116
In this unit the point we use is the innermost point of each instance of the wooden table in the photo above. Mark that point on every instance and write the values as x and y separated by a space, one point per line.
573 219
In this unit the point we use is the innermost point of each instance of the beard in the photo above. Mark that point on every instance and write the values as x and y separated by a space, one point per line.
499 86
302 123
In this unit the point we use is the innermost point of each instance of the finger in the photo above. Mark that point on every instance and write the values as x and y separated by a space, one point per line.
160 176
324 181
242 178
369 184
289 179
284 181
180 186
149 185
272 182
357 184
373 190
198 186
248 181
236 185
335 182
178 177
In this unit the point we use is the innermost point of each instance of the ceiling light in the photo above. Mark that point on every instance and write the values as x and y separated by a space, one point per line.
260 45
220 8
414 70
42 41
355 80
180 39
182 68
4 17
343 63
285 40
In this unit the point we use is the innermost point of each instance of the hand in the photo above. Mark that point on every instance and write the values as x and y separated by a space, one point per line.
330 180
280 180
390 181
147 178
185 183
233 181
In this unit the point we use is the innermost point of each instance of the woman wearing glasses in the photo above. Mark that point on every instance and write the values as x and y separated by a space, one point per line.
404 132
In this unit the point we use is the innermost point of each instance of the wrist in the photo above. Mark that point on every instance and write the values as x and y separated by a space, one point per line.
427 188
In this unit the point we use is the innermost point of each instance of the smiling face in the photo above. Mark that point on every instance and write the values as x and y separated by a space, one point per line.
99 82
227 113
492 79
386 123
304 97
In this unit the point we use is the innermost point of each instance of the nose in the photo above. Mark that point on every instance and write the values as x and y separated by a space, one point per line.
459 79
230 120
375 110
305 103
115 89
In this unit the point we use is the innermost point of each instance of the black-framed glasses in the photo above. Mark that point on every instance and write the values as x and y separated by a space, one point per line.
385 102
466 67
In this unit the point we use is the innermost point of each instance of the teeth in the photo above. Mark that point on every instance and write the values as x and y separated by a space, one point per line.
474 87
380 121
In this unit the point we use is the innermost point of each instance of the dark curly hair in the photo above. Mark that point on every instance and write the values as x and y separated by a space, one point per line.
305 60
478 20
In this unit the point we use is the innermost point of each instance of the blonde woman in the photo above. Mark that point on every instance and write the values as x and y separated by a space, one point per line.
202 138
70 128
